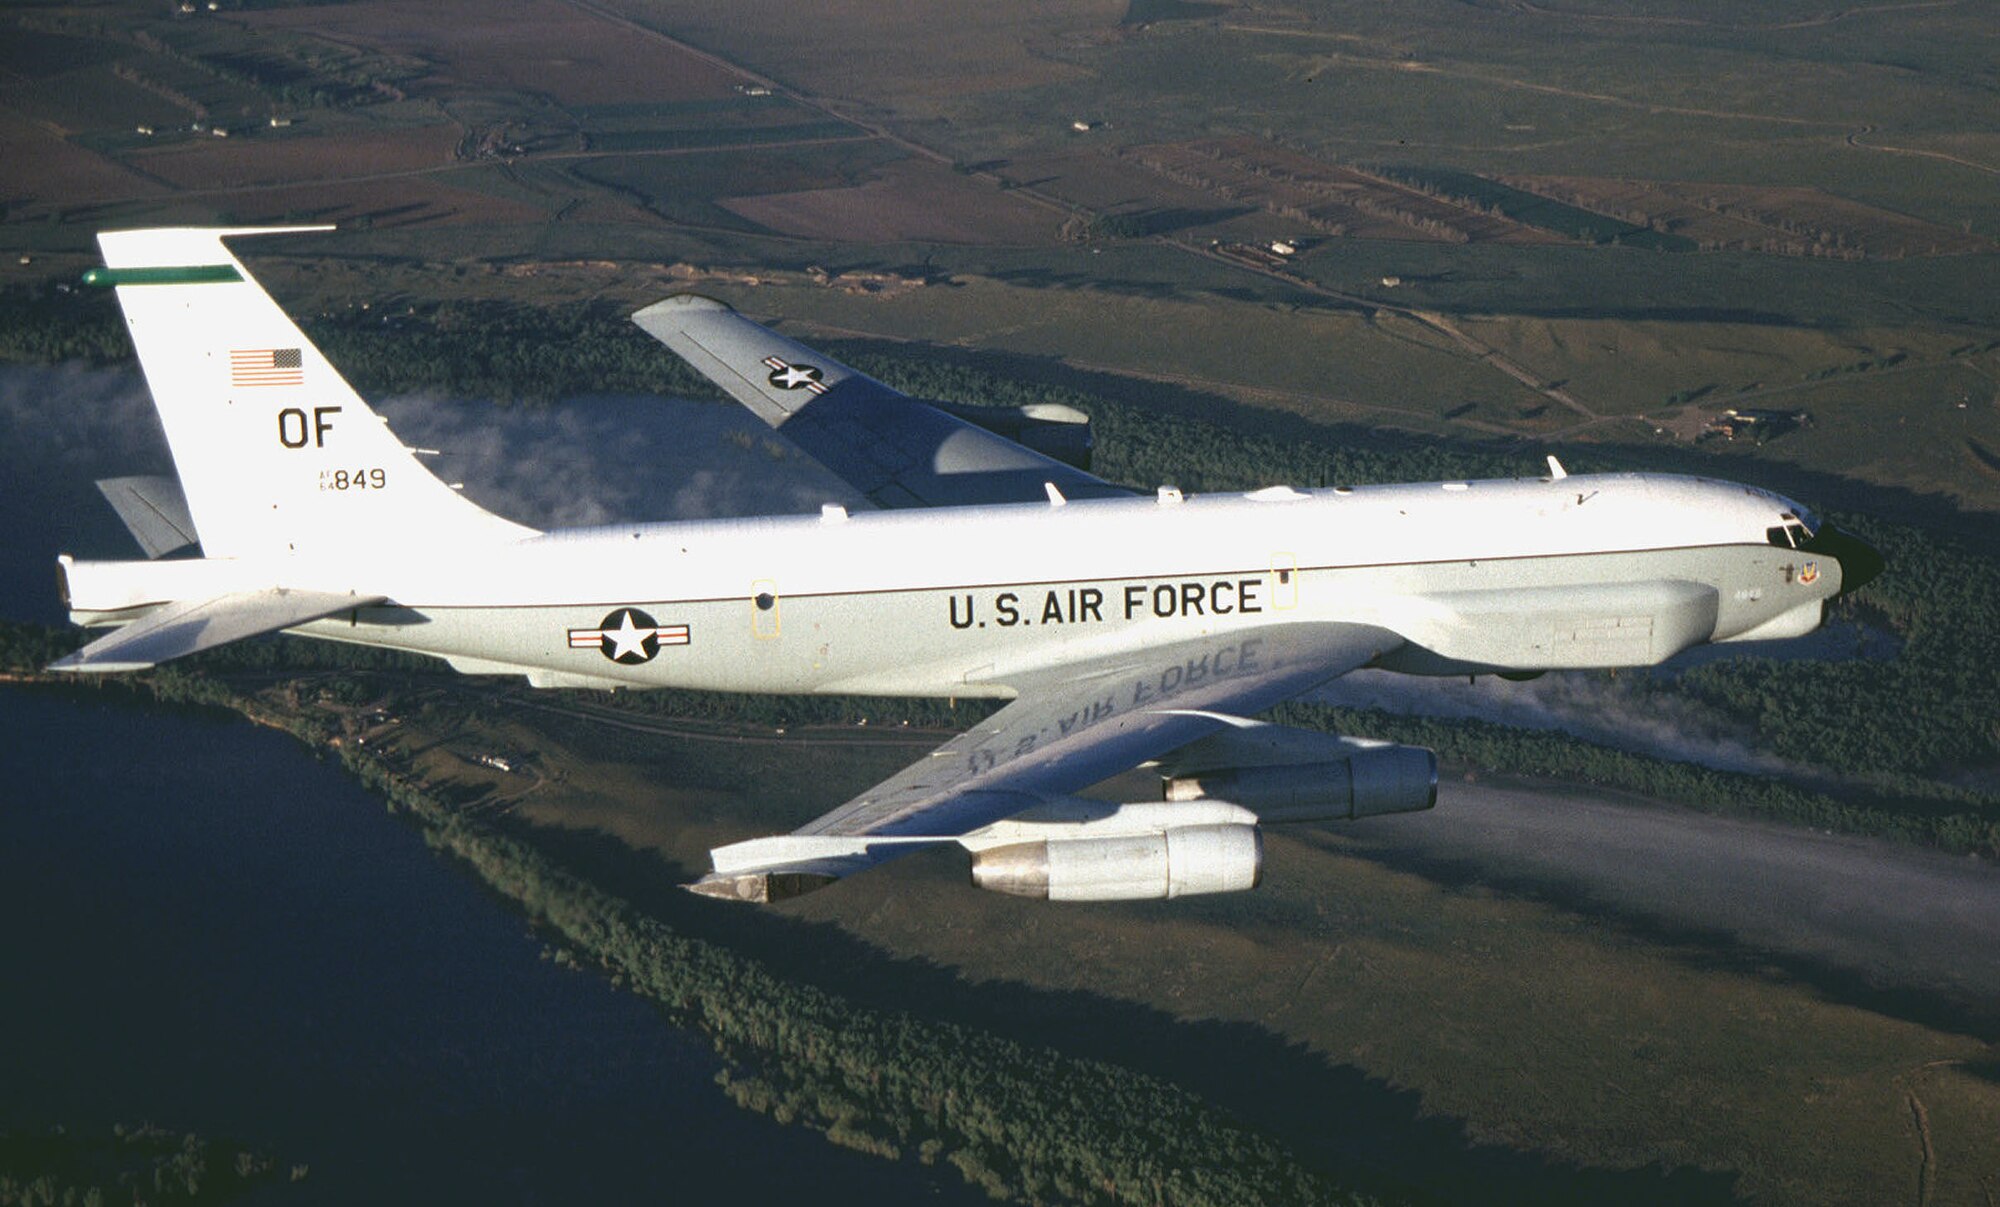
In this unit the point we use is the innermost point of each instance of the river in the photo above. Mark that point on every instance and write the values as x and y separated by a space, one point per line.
208 929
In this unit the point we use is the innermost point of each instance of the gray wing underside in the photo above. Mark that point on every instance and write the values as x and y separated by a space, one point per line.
895 450
1070 727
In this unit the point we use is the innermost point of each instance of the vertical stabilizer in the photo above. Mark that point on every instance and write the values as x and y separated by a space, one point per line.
276 452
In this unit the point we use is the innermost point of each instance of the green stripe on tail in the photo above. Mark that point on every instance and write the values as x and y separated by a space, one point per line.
192 274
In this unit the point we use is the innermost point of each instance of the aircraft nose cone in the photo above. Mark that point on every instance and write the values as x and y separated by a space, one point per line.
1859 561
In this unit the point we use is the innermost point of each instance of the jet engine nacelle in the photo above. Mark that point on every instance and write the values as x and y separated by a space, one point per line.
1178 862
1056 431
1384 779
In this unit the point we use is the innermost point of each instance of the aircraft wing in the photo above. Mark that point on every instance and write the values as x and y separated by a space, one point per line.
1070 727
190 626
895 450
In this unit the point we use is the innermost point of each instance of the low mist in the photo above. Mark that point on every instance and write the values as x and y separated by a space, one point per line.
1593 705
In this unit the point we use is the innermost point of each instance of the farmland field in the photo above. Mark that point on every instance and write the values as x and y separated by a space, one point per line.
1327 198
1787 221
555 51
213 163
64 172
908 201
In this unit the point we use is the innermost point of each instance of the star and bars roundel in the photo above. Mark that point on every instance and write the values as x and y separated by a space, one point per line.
788 376
628 636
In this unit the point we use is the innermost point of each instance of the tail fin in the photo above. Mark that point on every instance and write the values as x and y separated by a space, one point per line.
276 452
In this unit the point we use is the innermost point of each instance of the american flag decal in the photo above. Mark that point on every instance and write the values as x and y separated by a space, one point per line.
266 367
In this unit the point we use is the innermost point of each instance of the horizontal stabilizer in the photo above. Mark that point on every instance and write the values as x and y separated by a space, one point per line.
154 510
190 626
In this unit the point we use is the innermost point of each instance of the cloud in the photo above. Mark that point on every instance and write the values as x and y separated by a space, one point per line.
75 418
61 429
605 459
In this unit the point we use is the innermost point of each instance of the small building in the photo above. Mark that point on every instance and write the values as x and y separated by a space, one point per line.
1391 282
1082 126
1754 421
279 123
147 131
1284 248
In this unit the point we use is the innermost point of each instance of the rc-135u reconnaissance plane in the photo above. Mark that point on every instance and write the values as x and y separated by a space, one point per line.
1124 629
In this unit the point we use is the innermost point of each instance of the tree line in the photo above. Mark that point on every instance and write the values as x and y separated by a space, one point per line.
57 1167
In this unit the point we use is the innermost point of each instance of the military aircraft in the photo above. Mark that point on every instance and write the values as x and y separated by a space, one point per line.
1124 629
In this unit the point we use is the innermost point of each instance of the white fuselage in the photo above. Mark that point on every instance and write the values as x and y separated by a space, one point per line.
1597 570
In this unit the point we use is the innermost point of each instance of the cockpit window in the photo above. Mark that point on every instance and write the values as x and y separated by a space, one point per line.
1805 519
1788 536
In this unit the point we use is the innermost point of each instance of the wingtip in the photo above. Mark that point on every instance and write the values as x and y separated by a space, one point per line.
681 304
759 888
76 664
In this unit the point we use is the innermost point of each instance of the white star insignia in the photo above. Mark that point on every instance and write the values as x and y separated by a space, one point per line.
627 638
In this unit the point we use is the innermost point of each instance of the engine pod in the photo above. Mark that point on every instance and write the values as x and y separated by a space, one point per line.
1179 862
1392 779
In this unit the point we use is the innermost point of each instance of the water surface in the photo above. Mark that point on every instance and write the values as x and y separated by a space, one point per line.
204 927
